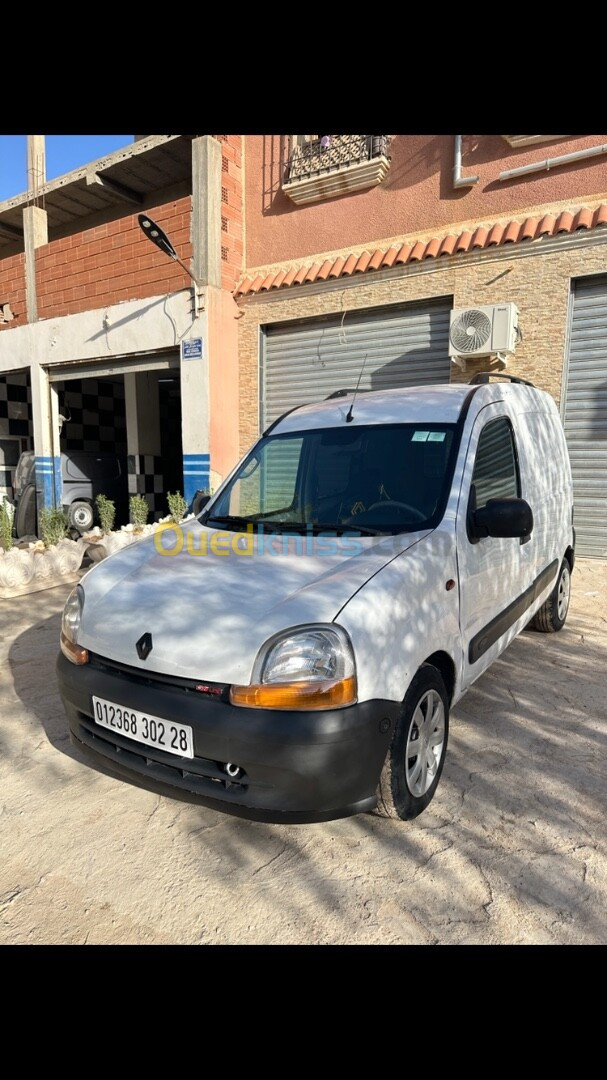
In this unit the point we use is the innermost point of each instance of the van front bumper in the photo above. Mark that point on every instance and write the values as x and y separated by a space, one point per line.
295 766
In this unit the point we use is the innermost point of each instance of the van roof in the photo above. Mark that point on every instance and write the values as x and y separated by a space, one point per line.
441 403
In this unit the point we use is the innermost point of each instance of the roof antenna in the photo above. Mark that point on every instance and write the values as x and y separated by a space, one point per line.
350 416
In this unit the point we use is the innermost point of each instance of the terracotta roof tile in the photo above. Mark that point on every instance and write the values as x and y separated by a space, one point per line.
546 225
583 219
564 222
337 267
312 273
480 237
363 262
495 235
323 273
510 232
448 245
417 252
463 241
390 256
404 254
529 229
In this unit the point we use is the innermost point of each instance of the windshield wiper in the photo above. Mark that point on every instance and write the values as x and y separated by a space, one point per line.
228 519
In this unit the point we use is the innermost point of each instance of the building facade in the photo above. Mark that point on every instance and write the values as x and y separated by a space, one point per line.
359 247
93 316
318 258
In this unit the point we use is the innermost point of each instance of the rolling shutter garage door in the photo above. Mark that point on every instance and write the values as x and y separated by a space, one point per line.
405 345
586 415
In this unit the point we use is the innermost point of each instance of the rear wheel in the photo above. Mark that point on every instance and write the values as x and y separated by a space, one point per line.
553 612
416 756
80 516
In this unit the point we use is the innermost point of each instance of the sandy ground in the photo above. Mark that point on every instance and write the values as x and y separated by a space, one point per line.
512 850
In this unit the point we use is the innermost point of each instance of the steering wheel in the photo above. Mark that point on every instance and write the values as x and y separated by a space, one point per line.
386 504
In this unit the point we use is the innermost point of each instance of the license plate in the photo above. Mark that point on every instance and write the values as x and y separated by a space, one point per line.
152 730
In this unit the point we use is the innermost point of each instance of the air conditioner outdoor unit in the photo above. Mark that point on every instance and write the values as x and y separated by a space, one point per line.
480 331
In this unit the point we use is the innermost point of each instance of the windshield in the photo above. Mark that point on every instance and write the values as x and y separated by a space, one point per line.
378 479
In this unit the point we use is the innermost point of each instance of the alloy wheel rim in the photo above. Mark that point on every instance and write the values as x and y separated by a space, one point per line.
564 589
425 743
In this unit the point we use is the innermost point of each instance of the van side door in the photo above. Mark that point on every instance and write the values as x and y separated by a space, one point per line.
493 572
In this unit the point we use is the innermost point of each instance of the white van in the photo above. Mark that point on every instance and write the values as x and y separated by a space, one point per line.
293 652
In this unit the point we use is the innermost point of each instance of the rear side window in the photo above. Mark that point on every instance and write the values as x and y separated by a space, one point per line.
496 473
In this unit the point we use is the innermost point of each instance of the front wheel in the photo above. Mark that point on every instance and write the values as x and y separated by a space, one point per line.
553 612
416 756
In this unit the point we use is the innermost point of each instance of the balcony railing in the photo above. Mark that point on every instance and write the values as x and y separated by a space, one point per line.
333 152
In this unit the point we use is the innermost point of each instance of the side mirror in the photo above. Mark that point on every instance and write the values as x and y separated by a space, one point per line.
503 518
199 501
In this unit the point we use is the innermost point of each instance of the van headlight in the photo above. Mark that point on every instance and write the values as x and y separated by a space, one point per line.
70 625
307 667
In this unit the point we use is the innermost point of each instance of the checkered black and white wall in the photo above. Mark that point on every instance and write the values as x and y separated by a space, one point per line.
95 415
146 478
15 424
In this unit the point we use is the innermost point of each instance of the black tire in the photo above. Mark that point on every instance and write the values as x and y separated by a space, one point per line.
553 613
80 516
396 794
25 514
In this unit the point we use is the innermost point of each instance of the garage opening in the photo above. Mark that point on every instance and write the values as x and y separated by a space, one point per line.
585 414
400 345
93 444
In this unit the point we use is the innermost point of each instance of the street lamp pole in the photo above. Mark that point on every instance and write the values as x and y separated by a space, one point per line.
158 237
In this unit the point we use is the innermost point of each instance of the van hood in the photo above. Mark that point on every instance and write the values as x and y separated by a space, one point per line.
209 614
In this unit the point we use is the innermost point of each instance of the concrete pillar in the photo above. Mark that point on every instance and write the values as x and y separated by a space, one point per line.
195 425
143 435
206 266
206 210
35 234
45 414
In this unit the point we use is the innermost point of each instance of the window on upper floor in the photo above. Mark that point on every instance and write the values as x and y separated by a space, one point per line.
324 166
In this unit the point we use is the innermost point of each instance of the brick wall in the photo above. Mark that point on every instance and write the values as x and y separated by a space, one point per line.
536 280
112 262
231 210
12 289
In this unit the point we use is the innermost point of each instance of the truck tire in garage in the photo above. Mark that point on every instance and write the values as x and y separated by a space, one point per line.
25 515
81 516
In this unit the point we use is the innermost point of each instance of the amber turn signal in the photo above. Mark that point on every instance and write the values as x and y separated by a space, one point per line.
296 695
75 653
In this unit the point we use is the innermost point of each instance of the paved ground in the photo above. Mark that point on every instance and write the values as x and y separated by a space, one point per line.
513 848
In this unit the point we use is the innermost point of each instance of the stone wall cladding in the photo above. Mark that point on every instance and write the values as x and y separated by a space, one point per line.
537 281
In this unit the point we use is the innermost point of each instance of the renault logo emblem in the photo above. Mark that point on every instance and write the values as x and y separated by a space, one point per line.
144 646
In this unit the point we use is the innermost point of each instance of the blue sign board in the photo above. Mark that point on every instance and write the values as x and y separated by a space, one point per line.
191 349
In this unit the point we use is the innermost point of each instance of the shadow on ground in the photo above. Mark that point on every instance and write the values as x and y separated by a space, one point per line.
510 849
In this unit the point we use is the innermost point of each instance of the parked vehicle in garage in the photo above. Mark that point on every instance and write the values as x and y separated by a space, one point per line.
368 559
83 475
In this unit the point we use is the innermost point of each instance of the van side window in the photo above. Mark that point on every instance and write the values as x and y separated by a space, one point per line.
496 473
